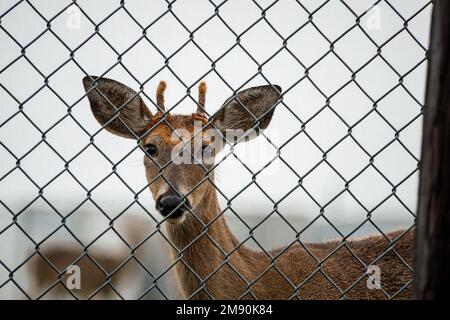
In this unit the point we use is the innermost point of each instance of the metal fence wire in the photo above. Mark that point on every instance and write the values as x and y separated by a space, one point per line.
22 248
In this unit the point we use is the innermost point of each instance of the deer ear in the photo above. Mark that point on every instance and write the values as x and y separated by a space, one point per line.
243 111
117 107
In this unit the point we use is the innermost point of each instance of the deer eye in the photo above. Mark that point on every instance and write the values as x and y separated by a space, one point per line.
151 149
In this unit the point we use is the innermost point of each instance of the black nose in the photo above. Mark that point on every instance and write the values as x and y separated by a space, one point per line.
172 205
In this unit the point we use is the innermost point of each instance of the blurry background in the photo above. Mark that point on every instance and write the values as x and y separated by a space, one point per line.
335 60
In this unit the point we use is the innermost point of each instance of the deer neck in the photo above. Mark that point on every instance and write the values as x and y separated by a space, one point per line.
201 249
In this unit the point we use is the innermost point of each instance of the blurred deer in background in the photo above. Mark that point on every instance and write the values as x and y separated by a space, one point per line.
62 255
213 263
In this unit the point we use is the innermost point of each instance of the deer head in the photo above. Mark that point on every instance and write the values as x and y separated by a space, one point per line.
180 149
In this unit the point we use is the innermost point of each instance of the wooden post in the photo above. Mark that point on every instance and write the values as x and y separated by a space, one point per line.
432 264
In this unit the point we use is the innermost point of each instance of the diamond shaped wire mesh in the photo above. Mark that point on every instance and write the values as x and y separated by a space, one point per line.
351 112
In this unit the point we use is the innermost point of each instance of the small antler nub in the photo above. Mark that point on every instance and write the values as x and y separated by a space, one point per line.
160 95
201 97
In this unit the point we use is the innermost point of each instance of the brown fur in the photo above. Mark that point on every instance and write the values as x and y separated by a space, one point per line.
205 253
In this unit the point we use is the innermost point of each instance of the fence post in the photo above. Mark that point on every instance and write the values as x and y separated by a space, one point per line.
432 265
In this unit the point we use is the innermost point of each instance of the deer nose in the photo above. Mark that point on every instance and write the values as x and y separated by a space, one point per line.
171 205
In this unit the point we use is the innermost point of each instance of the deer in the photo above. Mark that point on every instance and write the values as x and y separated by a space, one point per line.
210 262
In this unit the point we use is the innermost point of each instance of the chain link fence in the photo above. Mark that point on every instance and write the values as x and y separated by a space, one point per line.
340 159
